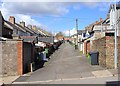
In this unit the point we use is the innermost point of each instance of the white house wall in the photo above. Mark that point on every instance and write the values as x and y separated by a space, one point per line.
112 20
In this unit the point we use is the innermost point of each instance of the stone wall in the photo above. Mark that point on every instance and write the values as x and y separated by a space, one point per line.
0 59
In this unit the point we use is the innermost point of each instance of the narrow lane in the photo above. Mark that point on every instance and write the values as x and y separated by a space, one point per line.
65 63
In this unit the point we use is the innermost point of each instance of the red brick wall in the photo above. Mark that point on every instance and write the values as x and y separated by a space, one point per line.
85 48
88 46
105 47
100 46
20 55
110 51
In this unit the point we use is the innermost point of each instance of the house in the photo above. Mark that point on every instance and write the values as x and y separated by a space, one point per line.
112 17
80 37
5 29
29 32
101 28
17 29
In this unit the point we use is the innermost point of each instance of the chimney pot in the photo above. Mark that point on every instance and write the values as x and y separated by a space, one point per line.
29 26
34 27
22 23
12 19
101 20
96 22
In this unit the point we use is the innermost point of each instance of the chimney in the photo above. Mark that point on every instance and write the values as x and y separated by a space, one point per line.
34 27
12 19
101 20
22 23
96 22
29 26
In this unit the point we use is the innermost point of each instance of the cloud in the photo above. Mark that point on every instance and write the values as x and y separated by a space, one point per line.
71 32
61 0
20 17
36 8
11 10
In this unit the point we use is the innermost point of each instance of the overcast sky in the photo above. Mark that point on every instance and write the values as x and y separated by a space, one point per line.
55 17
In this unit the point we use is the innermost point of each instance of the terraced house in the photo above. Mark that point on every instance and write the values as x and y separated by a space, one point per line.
18 45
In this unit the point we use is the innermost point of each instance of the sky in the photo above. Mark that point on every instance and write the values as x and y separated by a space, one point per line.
56 16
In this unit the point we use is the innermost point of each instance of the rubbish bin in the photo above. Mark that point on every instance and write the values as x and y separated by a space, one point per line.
94 58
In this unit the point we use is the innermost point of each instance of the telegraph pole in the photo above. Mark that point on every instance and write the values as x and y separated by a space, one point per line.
76 44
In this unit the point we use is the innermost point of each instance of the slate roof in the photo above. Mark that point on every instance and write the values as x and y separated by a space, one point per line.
117 7
29 38
15 26
80 32
46 39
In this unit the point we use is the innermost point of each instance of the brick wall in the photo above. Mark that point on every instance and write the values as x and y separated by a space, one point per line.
88 46
110 51
105 47
20 57
85 48
118 52
99 45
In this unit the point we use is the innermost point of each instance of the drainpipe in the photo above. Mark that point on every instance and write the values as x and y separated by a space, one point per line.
115 55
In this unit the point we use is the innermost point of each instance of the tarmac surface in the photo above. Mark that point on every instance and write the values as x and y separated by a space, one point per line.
67 66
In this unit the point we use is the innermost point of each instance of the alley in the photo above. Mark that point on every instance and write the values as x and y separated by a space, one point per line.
65 63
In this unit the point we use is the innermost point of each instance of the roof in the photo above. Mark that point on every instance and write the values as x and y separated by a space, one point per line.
29 30
46 39
80 32
7 25
29 38
89 28
117 6
20 27
45 32
14 26
106 21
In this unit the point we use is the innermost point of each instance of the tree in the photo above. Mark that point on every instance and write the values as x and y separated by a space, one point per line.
59 34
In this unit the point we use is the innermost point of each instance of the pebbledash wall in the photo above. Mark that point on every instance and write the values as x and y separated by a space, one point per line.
105 47
11 57
15 60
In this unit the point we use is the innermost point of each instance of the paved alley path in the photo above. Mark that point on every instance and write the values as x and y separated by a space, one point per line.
65 63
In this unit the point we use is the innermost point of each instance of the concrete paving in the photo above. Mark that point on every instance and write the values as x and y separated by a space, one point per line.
66 63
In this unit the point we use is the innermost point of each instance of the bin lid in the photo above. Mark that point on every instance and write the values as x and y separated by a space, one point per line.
92 52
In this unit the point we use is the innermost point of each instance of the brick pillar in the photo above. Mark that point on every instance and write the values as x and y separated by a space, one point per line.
85 48
88 46
20 57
